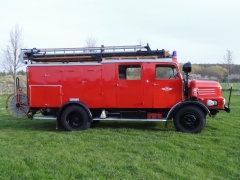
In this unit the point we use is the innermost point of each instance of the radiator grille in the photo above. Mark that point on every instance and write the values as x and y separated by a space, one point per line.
206 91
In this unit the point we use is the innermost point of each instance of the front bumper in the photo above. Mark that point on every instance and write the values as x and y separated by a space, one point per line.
227 109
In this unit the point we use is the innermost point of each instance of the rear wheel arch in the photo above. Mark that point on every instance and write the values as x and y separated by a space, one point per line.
74 118
84 106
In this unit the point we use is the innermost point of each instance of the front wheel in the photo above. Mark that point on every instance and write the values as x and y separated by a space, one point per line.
75 118
190 119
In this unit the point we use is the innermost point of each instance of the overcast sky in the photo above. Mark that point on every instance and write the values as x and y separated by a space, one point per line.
200 30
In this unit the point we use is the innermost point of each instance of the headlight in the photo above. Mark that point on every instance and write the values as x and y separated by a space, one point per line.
211 102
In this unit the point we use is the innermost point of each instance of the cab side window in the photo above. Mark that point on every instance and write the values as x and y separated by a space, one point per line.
129 72
166 72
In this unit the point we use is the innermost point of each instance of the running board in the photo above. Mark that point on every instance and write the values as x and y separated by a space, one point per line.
103 119
127 119
45 117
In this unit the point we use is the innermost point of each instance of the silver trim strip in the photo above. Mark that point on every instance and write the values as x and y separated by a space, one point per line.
45 117
138 60
79 64
126 119
108 61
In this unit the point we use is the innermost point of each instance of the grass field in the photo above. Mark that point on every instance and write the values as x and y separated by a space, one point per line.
32 149
235 86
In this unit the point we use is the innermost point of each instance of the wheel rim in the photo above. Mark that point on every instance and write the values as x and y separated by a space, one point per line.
75 119
189 120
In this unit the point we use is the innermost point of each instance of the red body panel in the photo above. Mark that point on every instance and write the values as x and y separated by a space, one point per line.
98 85
108 85
45 95
207 90
91 86
71 82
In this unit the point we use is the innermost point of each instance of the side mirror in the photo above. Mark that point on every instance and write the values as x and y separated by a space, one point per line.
187 67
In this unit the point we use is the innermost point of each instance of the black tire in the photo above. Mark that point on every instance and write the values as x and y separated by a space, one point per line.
75 118
190 119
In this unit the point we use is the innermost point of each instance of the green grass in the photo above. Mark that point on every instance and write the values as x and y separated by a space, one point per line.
32 149
235 86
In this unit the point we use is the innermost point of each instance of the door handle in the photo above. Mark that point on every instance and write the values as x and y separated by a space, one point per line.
118 84
155 84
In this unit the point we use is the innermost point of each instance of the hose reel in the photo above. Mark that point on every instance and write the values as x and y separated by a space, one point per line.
17 102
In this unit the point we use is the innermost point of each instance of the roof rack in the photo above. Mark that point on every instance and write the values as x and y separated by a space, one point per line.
89 53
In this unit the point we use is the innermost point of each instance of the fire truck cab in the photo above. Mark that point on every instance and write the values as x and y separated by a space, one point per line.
78 86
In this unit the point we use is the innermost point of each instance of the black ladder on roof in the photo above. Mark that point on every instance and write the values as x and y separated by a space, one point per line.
90 53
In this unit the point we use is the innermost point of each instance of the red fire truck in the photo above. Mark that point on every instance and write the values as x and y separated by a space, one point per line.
78 86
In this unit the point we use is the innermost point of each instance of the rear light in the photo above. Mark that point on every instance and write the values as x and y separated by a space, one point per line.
154 115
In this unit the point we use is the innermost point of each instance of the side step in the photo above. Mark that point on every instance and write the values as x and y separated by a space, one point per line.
45 117
103 119
127 119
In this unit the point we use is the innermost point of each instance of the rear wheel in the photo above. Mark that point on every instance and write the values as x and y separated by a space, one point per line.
75 118
190 119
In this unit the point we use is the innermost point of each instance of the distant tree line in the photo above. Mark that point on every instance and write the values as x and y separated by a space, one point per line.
217 72
10 73
235 69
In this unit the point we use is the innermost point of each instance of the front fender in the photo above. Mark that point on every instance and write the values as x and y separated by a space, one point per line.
177 106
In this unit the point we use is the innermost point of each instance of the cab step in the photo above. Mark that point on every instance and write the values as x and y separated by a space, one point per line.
103 119
45 117
127 119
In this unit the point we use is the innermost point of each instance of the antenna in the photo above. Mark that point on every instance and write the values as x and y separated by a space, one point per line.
229 96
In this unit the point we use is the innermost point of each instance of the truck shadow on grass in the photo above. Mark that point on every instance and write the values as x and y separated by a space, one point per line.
33 125
145 126
27 125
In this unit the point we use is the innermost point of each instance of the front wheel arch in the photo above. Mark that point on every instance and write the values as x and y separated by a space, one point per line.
182 104
189 119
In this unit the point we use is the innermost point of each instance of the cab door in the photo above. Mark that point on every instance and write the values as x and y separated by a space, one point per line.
129 85
167 86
